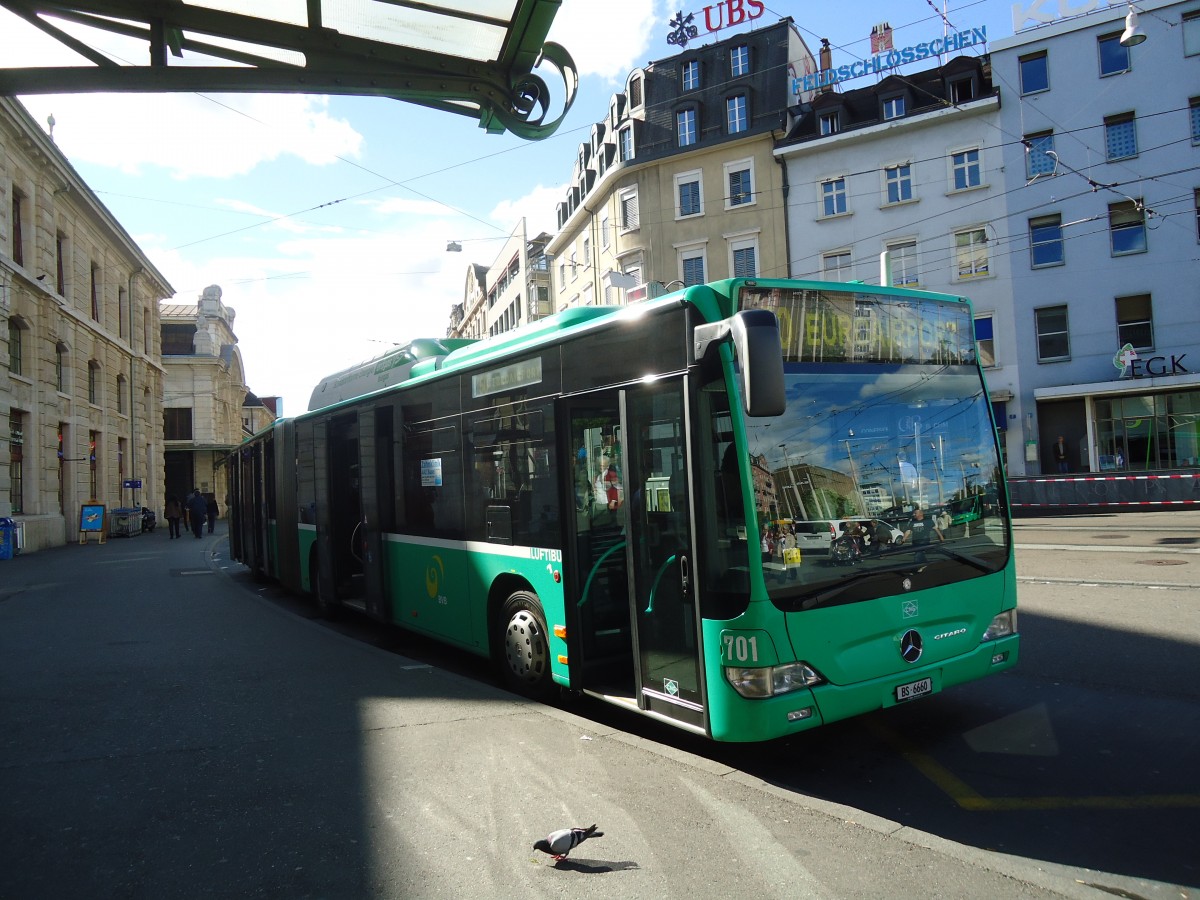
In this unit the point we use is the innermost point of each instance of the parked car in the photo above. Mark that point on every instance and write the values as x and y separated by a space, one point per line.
814 536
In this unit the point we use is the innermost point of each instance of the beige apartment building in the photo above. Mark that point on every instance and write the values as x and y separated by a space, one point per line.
679 184
81 392
205 389
514 291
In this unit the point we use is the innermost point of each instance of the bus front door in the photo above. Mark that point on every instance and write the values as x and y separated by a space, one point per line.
662 582
634 613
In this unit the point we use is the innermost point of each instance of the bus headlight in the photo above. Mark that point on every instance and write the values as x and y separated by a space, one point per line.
772 680
1002 626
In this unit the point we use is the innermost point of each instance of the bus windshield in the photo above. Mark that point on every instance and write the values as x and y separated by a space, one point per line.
845 470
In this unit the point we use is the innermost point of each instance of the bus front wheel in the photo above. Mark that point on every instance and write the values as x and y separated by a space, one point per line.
524 646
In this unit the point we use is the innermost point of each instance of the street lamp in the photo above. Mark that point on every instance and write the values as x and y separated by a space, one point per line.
1133 34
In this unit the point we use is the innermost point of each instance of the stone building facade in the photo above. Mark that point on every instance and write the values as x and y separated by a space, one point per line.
205 388
82 386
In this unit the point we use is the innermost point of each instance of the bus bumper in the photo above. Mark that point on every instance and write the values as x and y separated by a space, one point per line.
761 720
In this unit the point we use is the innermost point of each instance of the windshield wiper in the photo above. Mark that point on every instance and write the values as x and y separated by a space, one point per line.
819 599
972 561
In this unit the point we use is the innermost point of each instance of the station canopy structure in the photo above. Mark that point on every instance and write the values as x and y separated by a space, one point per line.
481 58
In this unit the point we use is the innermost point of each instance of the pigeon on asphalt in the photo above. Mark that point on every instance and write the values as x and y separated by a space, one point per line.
559 843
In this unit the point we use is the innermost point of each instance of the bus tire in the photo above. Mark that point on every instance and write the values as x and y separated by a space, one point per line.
523 646
327 607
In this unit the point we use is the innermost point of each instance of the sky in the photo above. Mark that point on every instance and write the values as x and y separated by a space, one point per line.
325 220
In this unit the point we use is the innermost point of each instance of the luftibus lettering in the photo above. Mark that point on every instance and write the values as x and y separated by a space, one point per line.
548 555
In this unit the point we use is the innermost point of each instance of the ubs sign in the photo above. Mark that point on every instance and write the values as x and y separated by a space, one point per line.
726 14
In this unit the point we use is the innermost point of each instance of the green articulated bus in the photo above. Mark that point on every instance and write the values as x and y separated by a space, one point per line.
603 501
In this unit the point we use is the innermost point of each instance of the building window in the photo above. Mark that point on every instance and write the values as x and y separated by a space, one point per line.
15 362
893 107
1039 154
691 266
962 90
1046 241
1194 112
902 257
964 167
836 266
60 368
628 201
587 253
625 136
604 239
93 381
1114 59
829 123
18 235
1191 32
60 252
635 92
689 200
562 275
898 183
739 61
1120 138
685 127
1035 73
739 176
735 114
1135 322
833 197
984 344
1196 198
1127 228
691 75
574 272
95 293
744 258
971 253
122 384
1053 341
177 424
16 461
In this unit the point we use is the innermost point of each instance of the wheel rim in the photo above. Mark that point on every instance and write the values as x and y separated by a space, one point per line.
525 648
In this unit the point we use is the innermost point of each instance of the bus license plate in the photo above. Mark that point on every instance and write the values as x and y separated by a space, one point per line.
914 689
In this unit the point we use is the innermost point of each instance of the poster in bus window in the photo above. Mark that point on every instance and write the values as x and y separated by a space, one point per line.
431 472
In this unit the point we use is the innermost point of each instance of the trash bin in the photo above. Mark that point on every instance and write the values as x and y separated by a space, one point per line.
8 538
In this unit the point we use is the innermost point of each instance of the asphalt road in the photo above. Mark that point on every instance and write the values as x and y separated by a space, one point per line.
173 729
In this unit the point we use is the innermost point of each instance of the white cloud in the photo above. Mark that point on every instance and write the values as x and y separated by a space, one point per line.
537 208
189 136
605 39
407 206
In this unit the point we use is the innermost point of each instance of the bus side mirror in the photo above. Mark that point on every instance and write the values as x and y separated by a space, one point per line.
759 355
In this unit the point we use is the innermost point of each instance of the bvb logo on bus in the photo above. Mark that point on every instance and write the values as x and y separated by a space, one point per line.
433 577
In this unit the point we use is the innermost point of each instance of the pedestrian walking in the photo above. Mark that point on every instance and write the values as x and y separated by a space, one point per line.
920 530
211 511
197 512
173 512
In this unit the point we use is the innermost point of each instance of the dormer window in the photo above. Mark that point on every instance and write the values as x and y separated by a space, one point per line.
893 107
829 123
691 75
962 90
635 92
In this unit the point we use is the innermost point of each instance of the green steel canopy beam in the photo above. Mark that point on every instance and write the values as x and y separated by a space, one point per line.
471 57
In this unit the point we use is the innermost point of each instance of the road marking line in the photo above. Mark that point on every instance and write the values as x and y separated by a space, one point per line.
970 799
1093 548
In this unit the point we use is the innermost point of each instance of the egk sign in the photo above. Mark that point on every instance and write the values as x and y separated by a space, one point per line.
716 17
1127 362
